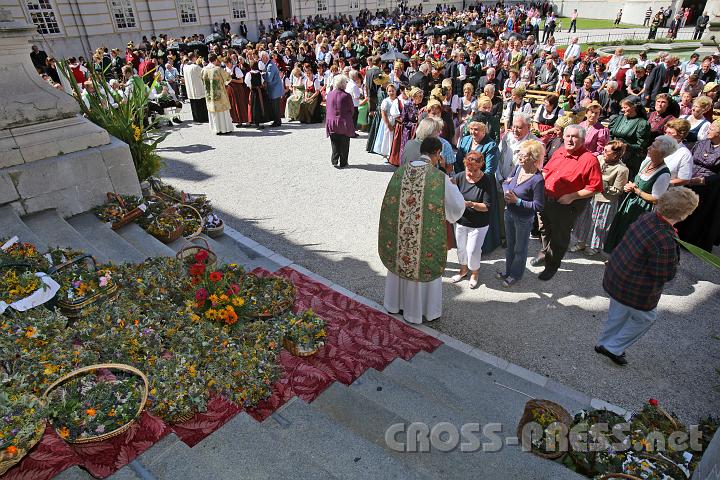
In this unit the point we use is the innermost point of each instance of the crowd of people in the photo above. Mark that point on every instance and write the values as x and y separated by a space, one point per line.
565 144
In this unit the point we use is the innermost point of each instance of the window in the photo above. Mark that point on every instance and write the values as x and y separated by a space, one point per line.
322 5
43 16
188 11
239 9
123 13
354 4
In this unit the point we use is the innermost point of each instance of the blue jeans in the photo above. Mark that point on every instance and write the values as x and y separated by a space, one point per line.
517 236
624 326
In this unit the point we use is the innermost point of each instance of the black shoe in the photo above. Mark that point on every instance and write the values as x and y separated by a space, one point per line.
537 261
260 127
618 359
239 125
547 274
535 235
177 120
276 125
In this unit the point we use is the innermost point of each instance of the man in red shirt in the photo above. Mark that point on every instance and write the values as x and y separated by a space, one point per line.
572 177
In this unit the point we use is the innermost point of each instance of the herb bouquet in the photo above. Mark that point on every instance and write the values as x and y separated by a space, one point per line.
92 404
543 428
303 334
267 296
21 420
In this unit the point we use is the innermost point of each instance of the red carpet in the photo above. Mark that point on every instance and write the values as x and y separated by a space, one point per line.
358 338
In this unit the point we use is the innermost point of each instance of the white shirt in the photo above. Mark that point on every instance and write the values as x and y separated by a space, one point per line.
572 51
509 147
354 91
680 163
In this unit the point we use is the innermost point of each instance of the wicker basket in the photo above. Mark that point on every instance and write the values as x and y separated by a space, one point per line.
171 236
298 351
214 232
609 476
181 417
190 250
72 309
129 216
186 211
552 408
7 461
90 368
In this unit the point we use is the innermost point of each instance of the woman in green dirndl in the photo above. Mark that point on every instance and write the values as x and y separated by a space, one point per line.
650 183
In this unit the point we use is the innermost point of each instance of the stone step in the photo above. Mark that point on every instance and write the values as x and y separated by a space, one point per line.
414 406
77 473
145 243
244 445
313 434
170 458
12 225
56 232
453 367
102 237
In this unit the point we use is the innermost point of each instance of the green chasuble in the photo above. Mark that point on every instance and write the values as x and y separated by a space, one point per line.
412 239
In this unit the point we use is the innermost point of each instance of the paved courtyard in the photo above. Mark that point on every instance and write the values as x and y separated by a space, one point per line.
277 187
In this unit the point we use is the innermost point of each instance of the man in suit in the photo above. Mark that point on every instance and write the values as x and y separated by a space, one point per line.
275 87
489 78
548 77
658 81
243 30
421 79
609 98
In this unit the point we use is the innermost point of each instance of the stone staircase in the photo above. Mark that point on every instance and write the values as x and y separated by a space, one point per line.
342 433
130 244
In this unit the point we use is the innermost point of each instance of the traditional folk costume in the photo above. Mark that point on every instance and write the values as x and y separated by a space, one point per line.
218 104
412 239
292 105
384 135
309 108
239 95
259 102
195 92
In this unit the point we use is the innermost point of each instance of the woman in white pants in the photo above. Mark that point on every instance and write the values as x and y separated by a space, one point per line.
478 190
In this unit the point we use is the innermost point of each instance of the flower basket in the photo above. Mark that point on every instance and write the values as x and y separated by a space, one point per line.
553 411
213 226
593 454
73 307
301 350
167 227
44 287
192 221
7 461
609 476
91 368
187 253
126 216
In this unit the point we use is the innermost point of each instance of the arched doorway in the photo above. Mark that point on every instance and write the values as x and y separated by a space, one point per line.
283 9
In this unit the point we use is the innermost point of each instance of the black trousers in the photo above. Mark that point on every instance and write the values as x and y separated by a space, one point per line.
556 223
340 149
275 109
355 116
199 110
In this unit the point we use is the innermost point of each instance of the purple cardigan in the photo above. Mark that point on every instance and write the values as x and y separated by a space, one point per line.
339 113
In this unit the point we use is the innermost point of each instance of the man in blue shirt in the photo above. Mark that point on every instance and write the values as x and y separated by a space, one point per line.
274 85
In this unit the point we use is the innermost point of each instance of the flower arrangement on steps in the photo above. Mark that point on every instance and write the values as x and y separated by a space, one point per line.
163 212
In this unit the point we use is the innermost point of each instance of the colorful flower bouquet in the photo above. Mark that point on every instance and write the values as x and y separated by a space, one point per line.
267 296
13 251
591 448
82 284
120 210
16 284
218 294
303 334
166 226
95 403
22 420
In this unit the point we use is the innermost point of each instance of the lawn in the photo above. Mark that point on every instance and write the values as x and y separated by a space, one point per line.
593 24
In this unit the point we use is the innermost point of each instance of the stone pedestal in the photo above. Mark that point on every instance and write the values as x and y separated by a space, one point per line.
50 155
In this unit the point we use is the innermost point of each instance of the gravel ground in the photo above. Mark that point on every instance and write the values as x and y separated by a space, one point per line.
277 187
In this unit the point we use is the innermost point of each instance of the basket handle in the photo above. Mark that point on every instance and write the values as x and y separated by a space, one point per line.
25 265
112 196
190 245
199 217
75 260
98 366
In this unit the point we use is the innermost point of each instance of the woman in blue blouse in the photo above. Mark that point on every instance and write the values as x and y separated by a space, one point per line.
524 193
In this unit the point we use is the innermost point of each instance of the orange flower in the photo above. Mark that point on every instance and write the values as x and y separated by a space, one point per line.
216 276
31 331
91 412
111 413
64 432
12 450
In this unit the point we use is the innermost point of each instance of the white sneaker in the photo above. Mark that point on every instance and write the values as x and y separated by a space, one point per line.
474 282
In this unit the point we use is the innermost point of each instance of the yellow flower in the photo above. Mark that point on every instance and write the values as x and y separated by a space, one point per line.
136 132
194 318
31 332
238 301
64 432
211 314
213 299
191 371
224 298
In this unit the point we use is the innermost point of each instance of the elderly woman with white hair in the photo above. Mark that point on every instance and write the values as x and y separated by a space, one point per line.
650 183
429 127
339 124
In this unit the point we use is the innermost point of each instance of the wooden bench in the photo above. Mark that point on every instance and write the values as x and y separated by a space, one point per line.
536 97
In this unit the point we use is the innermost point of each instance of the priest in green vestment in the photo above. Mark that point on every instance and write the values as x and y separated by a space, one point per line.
412 239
